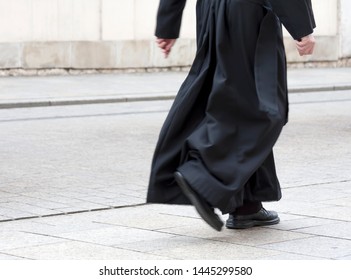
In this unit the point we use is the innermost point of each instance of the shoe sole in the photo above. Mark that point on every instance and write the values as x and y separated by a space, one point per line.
204 210
251 223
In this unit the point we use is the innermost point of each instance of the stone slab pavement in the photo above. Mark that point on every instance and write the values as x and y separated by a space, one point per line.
73 185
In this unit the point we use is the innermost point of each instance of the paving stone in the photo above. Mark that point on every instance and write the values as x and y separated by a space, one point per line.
16 239
30 225
258 236
112 236
52 227
215 250
171 242
10 257
316 246
5 196
31 209
146 217
293 207
289 256
251 237
66 224
346 201
301 223
339 213
42 203
335 229
14 214
72 250
313 194
67 201
345 258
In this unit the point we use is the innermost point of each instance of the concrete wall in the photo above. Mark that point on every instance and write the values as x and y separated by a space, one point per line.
345 28
110 34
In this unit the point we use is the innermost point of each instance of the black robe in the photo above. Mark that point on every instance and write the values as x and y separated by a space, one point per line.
231 108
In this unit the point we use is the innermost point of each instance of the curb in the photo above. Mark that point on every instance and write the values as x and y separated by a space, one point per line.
320 88
139 98
48 103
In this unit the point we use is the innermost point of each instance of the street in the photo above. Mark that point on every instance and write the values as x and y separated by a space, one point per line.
77 159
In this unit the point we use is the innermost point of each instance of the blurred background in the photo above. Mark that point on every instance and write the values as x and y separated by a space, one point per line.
54 36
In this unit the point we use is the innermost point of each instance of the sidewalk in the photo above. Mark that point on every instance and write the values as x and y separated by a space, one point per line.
16 92
73 179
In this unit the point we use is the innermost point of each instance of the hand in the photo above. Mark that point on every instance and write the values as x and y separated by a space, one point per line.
306 45
165 45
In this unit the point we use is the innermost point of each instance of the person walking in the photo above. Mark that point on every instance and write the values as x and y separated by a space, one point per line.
215 147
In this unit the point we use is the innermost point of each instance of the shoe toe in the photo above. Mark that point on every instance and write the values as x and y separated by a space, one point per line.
205 211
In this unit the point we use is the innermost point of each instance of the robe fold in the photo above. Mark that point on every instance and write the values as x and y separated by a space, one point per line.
231 108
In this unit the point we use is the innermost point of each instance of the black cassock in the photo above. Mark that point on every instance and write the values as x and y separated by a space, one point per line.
231 108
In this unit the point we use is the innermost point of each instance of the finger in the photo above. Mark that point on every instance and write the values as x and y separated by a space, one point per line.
305 48
160 41
302 44
168 47
302 51
165 51
305 51
166 54
310 48
168 50
162 45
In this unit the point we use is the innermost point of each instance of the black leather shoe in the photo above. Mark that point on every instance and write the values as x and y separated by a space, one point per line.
261 218
203 208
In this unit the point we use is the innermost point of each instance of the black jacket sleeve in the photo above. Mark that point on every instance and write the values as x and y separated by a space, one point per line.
169 17
296 15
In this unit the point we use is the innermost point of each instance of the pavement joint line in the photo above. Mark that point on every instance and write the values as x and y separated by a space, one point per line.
255 246
71 212
322 235
318 184
315 217
83 241
321 101
86 242
290 252
11 255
